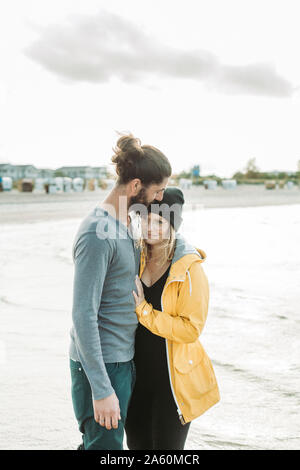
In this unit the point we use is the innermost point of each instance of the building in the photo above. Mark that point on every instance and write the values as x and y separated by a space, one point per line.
85 172
196 171
6 169
46 173
17 172
101 172
26 171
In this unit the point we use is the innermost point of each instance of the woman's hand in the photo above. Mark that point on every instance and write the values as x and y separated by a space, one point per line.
138 297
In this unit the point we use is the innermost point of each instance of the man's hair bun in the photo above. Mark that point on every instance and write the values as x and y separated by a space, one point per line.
134 160
128 144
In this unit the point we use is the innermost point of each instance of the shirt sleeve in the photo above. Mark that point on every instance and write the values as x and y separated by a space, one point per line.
91 256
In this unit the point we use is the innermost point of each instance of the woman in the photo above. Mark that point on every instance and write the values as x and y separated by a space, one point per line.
175 381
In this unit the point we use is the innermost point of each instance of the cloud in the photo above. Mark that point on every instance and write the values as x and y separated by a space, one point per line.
258 79
104 46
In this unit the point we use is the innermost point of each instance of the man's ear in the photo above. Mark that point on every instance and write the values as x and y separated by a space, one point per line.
135 186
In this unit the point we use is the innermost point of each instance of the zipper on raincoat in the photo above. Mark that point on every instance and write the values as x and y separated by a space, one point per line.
180 416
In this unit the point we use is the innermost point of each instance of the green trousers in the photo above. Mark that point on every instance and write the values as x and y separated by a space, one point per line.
95 437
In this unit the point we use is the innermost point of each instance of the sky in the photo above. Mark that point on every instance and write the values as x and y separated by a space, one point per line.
208 82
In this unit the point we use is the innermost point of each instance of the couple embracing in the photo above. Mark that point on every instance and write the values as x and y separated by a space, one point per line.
140 302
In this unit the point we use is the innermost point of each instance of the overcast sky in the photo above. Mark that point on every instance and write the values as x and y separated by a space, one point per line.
208 82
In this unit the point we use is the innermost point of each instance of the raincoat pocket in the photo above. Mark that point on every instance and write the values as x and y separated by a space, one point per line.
194 374
187 356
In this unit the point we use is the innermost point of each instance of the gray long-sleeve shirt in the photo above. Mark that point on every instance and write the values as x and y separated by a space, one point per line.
103 312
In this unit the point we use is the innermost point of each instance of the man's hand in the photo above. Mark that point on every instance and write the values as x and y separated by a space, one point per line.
138 297
107 411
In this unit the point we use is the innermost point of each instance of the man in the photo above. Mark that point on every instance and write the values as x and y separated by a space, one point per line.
106 262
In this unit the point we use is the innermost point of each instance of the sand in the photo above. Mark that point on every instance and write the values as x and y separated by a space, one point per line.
251 335
17 207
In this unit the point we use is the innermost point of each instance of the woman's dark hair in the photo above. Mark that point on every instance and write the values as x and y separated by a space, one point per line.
134 160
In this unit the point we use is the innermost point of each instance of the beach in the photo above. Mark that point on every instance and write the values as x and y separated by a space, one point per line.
251 238
17 207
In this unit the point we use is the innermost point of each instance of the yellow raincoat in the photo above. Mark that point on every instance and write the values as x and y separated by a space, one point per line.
184 304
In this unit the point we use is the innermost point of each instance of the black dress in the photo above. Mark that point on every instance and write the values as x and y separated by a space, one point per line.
152 420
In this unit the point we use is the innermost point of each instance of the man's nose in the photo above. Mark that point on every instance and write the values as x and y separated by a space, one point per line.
159 197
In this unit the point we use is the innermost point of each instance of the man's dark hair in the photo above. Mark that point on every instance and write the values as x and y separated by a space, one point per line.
134 160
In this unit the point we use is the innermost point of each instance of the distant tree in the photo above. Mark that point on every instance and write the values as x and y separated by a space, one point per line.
238 175
184 174
251 165
59 173
252 171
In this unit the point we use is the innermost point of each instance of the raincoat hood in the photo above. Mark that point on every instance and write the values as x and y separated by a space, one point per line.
183 247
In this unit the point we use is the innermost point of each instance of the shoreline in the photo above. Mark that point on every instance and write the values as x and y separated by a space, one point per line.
251 298
17 207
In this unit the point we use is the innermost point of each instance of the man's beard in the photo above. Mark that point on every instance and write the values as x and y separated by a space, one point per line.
140 198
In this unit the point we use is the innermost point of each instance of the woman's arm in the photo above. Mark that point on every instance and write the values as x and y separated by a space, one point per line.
186 326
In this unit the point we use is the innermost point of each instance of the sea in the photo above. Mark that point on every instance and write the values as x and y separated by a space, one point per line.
252 333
